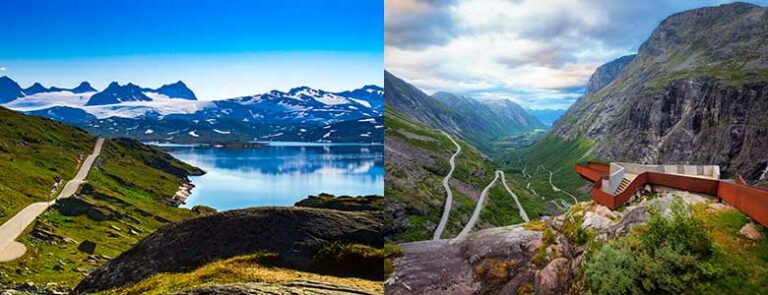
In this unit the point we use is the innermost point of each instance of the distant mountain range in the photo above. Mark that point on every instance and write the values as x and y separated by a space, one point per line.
172 113
480 121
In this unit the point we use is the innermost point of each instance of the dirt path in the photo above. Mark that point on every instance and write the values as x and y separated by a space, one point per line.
449 195
11 229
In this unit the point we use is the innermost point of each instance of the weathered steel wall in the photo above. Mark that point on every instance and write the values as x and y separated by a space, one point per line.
752 201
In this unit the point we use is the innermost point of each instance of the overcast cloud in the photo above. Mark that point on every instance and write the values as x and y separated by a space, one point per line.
538 53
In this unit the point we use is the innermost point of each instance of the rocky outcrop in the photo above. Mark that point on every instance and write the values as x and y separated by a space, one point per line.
287 288
696 93
543 257
446 267
606 73
295 234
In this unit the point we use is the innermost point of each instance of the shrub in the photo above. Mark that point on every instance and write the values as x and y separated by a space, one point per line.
667 256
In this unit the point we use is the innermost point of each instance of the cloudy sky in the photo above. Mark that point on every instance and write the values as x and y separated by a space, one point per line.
535 52
221 49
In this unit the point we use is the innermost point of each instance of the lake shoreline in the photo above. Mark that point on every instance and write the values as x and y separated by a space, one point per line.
277 175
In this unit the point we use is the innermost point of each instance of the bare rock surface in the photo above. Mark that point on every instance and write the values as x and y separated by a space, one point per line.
286 288
445 267
749 231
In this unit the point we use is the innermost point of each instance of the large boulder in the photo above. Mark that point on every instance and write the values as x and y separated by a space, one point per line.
295 234
554 278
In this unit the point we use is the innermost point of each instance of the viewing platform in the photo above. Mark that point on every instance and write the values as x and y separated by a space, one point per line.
616 183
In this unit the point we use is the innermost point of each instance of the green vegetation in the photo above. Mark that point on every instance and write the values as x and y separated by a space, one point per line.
35 153
692 252
419 185
258 267
728 74
345 259
127 196
344 203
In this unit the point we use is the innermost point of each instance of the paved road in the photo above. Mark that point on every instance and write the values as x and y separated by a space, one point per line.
479 207
557 189
449 195
523 214
11 229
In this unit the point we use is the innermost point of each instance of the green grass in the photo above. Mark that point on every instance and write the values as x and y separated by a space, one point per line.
560 156
699 253
249 268
34 153
130 182
424 197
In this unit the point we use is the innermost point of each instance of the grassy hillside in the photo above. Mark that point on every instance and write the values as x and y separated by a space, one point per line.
557 155
34 154
242 269
417 161
124 199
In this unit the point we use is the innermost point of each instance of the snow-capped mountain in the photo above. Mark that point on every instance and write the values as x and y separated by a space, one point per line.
116 93
373 94
177 90
172 113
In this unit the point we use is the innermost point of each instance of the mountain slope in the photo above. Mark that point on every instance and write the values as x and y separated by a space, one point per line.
465 117
417 160
9 90
372 94
129 193
695 93
177 90
116 93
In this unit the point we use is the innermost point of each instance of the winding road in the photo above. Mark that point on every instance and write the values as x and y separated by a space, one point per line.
11 229
449 195
479 207
523 214
557 189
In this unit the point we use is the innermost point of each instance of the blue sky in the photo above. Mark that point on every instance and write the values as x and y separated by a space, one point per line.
220 48
538 53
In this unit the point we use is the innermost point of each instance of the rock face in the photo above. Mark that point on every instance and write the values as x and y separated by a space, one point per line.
293 233
445 267
288 288
606 73
697 92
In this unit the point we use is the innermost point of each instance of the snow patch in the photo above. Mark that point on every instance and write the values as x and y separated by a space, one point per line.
193 133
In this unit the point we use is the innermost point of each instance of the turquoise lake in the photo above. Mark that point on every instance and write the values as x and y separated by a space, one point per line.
282 174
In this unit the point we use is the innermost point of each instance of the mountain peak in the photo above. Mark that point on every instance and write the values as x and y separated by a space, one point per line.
35 89
83 87
9 90
114 93
177 90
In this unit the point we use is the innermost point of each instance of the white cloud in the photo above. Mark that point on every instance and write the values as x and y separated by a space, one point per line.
2 69
532 51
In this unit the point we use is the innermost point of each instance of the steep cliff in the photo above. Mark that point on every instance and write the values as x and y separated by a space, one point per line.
695 93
